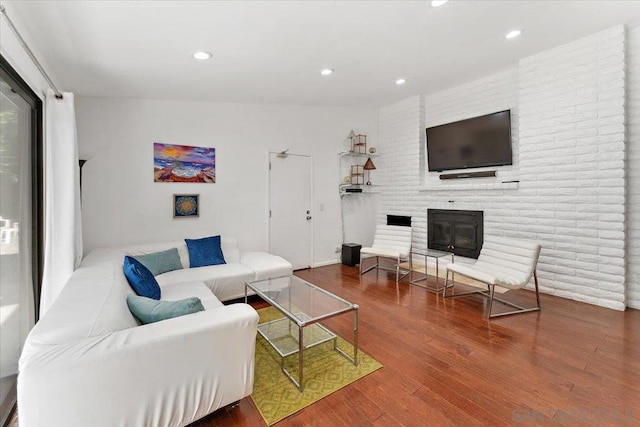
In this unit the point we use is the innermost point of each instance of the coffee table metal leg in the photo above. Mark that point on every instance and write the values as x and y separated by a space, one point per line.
300 356
353 359
355 336
298 382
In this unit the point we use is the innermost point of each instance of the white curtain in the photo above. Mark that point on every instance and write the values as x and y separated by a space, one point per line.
63 226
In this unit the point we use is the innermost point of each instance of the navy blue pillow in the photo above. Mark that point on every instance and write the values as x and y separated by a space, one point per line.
140 278
205 251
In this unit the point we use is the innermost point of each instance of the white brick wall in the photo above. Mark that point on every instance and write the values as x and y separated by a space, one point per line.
399 165
633 167
568 117
572 122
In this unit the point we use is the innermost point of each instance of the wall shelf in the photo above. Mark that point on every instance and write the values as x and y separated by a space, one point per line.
366 189
353 153
347 161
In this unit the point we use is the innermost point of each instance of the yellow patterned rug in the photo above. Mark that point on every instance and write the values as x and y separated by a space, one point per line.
325 371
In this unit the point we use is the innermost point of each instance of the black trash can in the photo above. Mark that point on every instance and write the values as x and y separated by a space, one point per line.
351 254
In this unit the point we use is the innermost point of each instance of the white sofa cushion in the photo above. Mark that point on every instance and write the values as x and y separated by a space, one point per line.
226 281
91 303
229 247
182 290
116 254
266 265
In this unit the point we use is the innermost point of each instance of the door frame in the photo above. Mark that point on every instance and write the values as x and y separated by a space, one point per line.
311 201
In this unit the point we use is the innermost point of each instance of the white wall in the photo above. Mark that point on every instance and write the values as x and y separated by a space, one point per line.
633 166
15 54
568 118
121 203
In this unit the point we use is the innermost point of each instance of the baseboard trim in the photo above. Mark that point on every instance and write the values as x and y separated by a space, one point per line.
322 264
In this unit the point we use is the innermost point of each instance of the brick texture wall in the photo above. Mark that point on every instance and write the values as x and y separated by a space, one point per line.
633 166
568 117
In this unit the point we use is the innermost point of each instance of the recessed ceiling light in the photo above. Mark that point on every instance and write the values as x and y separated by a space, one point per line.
202 55
400 82
513 34
438 3
327 71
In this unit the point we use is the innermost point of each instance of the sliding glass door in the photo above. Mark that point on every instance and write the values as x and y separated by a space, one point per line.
20 223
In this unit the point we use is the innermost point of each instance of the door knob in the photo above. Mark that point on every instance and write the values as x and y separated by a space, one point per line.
308 217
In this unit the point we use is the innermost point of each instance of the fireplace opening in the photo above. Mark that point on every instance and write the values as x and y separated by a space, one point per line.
457 231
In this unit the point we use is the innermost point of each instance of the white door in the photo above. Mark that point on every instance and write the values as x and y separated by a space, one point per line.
290 225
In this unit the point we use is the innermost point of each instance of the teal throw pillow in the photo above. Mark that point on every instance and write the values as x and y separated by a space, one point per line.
140 278
161 262
148 310
205 251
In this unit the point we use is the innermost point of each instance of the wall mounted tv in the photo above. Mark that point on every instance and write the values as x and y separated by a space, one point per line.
471 143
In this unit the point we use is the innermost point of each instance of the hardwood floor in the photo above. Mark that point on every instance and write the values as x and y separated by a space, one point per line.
445 365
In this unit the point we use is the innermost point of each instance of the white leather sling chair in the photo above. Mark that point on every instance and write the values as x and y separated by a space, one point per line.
390 241
508 263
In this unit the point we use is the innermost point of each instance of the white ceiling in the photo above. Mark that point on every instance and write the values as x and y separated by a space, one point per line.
272 51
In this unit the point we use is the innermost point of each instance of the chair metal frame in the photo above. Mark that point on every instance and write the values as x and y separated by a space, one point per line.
377 266
489 293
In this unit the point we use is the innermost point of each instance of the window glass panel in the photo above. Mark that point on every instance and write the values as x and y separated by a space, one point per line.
16 297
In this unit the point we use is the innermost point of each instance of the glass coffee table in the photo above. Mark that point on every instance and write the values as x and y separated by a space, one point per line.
303 305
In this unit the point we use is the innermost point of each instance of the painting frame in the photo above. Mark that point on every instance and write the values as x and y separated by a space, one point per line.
176 163
186 206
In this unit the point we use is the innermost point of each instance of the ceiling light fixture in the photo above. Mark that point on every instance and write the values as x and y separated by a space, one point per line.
202 55
327 71
513 34
400 82
438 3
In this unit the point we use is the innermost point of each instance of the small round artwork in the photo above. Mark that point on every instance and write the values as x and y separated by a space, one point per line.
186 206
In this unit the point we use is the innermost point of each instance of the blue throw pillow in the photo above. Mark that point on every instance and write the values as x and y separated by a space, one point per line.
140 278
161 262
148 310
205 251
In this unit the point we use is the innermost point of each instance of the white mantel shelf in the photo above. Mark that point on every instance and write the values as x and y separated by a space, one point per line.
469 186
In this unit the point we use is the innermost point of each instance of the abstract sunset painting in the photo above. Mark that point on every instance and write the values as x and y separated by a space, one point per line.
183 163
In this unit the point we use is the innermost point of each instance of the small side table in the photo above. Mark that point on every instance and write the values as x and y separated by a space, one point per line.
427 253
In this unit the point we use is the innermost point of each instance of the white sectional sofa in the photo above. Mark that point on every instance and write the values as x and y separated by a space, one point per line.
226 281
88 362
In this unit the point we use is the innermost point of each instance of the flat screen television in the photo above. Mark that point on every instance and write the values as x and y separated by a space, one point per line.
472 143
